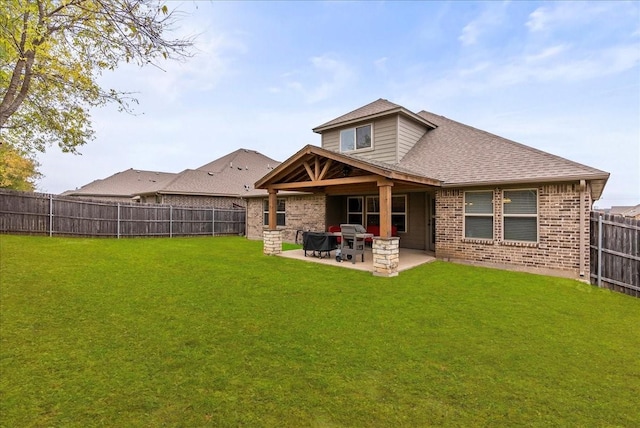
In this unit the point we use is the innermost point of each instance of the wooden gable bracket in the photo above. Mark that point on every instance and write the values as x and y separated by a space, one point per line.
316 174
321 183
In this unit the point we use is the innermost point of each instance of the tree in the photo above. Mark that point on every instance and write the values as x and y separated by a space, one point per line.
18 170
53 51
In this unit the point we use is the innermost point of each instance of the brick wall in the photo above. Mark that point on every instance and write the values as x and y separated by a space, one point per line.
222 202
302 212
557 250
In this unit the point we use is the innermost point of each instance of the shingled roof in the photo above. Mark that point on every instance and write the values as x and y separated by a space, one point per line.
230 175
124 184
378 108
461 155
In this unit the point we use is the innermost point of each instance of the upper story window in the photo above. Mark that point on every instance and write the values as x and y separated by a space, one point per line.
520 215
360 138
478 215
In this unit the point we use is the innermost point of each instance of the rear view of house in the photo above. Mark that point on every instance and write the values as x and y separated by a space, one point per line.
437 185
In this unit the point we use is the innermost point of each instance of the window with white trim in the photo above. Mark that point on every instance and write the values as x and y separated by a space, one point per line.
359 138
520 215
280 212
373 211
398 211
355 212
478 214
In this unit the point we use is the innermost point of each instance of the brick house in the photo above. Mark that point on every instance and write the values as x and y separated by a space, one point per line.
223 183
446 188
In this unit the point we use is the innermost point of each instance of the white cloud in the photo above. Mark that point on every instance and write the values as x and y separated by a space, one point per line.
493 16
564 15
546 53
381 64
326 77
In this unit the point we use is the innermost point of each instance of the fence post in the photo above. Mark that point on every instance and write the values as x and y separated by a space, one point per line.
213 222
118 224
170 221
600 250
50 216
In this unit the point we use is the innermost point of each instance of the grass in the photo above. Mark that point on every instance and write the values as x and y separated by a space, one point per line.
193 332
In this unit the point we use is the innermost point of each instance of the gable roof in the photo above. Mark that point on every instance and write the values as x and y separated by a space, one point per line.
449 154
295 173
231 175
461 155
378 108
626 211
127 183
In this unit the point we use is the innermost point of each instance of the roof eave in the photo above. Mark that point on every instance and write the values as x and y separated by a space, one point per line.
398 110
598 178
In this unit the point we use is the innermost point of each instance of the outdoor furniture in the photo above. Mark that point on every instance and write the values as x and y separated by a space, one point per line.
375 231
352 245
336 231
318 243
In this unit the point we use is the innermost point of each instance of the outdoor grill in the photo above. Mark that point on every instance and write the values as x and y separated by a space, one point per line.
319 243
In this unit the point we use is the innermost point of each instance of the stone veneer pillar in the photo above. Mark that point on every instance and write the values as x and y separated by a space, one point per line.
386 256
272 242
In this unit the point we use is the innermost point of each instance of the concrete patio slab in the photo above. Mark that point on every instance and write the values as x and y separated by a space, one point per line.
408 259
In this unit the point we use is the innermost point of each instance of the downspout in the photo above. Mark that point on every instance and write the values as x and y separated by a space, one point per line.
583 187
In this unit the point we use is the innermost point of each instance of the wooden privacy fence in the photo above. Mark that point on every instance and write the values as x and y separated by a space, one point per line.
37 213
615 253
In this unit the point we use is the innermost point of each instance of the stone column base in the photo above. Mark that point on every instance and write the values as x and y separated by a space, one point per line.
272 242
386 256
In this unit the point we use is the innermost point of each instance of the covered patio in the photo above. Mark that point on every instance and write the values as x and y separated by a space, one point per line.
319 171
408 259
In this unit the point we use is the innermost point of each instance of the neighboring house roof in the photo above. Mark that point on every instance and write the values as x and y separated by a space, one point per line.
626 211
128 183
461 155
231 175
378 108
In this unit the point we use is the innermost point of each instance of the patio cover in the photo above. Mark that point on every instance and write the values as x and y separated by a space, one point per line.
316 170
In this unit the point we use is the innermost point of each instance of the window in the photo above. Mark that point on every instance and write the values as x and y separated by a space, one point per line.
373 211
398 212
355 139
354 210
520 215
280 212
478 215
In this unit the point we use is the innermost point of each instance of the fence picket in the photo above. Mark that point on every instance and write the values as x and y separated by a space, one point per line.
37 213
615 253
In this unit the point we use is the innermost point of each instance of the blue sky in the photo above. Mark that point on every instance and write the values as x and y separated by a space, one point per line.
563 77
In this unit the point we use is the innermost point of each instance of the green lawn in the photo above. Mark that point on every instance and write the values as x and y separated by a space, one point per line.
190 332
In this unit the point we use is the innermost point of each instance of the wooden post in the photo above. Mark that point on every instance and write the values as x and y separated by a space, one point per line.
600 250
273 207
384 189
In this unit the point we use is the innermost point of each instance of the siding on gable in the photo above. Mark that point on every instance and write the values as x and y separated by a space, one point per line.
331 140
409 133
384 140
